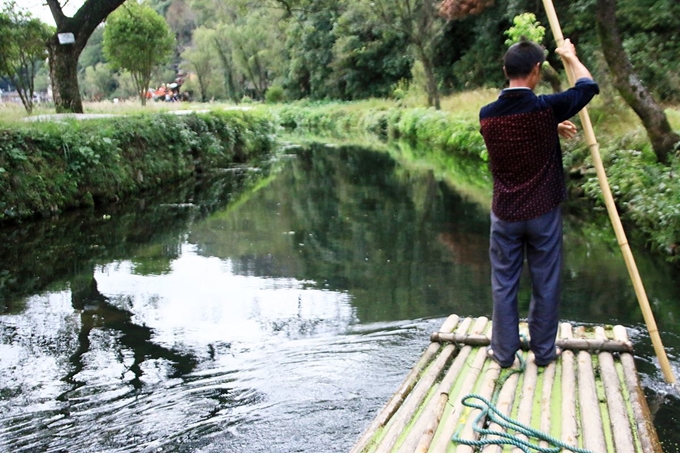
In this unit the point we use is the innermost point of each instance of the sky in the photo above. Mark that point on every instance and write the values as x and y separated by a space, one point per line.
39 9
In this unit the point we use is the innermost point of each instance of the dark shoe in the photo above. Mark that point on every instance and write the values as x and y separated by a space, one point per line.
492 356
558 352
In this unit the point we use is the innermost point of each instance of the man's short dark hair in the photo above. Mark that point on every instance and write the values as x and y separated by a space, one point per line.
521 58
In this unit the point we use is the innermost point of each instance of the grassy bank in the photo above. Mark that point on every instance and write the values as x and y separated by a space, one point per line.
54 166
647 193
50 166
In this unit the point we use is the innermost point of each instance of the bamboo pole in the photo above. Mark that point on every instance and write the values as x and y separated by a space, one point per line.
643 419
448 426
569 421
591 419
415 399
573 344
618 413
506 398
546 419
434 417
613 214
526 398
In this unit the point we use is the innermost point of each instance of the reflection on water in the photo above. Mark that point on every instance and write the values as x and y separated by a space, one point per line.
268 311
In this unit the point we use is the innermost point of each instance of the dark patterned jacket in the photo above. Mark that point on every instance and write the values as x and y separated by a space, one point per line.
525 158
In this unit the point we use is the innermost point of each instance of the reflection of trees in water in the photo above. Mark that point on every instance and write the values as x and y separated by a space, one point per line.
469 249
98 312
37 255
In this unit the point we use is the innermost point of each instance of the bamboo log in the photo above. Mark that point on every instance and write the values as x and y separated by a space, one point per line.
548 381
421 434
618 414
526 401
569 423
574 344
591 421
506 398
414 400
440 402
427 433
485 390
398 398
643 420
446 431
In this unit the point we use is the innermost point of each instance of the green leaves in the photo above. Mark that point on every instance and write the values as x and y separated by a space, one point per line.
525 25
137 39
22 49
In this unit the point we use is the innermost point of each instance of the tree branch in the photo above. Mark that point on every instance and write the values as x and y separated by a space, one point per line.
57 12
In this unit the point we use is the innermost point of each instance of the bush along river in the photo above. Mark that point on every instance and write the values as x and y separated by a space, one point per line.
271 309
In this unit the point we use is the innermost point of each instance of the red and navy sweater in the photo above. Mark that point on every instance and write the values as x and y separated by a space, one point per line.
525 158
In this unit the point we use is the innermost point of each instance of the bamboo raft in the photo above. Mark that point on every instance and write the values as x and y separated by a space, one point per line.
589 398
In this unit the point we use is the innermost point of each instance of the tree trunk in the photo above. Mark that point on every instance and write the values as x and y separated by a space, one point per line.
63 58
225 59
629 86
64 76
552 77
433 97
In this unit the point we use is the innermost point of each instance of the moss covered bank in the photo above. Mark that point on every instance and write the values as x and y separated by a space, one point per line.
49 167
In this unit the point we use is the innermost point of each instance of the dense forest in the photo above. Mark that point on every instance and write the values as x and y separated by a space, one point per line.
241 50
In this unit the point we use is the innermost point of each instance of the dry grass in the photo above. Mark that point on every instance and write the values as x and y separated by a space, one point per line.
469 102
11 113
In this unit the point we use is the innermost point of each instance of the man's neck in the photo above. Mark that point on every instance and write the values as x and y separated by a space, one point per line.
520 83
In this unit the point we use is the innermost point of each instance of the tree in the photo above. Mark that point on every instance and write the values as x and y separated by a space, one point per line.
200 58
255 49
367 61
664 141
22 50
421 23
137 39
223 49
98 81
309 44
65 46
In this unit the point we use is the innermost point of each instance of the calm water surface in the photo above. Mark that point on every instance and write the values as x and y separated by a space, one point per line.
268 310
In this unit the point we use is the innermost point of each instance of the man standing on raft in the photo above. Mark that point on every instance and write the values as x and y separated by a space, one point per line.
520 130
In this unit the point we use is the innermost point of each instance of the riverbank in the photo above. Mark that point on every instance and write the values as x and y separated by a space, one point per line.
647 193
47 167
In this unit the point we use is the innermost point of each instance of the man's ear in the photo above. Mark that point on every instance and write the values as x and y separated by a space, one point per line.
505 73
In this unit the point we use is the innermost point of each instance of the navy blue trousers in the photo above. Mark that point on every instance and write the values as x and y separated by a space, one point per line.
540 241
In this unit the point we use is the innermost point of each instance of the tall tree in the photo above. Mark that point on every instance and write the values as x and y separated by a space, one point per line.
367 61
309 43
420 22
137 39
201 59
662 137
22 50
64 51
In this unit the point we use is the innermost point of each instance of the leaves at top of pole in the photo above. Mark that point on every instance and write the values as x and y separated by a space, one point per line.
525 25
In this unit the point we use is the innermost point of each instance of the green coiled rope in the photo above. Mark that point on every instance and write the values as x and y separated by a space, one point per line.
488 410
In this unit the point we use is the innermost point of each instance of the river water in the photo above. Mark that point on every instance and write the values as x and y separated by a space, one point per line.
271 309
